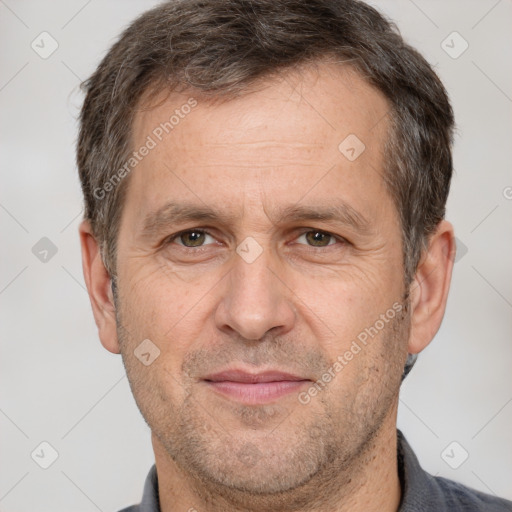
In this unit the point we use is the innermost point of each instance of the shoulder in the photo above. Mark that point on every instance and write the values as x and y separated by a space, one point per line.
459 497
150 501
426 493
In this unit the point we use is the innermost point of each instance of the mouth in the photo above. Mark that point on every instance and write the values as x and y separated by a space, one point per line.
254 388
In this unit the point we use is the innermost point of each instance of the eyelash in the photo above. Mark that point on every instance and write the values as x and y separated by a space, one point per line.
176 236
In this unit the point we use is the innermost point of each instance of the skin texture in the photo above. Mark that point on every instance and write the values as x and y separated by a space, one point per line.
297 307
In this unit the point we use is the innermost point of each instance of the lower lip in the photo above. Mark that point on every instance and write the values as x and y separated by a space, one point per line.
257 392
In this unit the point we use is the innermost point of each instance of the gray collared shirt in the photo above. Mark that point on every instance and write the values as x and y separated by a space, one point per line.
421 492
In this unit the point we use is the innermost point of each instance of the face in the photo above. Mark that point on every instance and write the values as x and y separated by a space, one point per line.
264 262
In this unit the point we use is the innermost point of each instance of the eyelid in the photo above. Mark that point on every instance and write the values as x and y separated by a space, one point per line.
335 237
172 238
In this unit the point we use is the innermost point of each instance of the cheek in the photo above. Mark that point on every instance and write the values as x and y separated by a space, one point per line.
159 306
367 362
152 323
346 304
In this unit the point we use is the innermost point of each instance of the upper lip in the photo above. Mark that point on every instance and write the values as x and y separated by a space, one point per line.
243 376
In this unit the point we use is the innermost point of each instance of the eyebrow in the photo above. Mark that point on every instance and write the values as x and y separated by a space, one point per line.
342 213
179 212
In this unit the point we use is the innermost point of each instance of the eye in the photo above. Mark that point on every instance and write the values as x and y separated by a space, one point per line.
317 238
192 238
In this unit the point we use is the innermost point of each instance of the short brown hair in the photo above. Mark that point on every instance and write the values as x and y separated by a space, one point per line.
218 48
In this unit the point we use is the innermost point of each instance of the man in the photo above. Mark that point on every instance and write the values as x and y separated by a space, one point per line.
264 243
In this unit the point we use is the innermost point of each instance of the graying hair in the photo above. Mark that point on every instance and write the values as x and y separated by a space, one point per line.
220 48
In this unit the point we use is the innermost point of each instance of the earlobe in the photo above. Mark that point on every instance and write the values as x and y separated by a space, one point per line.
429 289
99 287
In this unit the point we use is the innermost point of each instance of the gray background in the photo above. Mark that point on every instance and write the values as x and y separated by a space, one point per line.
60 386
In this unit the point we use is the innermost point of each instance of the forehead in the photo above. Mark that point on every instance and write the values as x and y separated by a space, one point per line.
325 97
288 132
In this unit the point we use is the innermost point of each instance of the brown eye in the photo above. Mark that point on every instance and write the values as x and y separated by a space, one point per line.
318 238
192 238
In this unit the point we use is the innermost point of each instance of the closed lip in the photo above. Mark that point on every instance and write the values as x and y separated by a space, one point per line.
242 376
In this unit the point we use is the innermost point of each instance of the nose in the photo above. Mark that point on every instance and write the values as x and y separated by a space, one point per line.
256 300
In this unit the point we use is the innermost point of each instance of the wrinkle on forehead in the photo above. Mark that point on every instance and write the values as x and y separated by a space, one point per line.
314 88
280 143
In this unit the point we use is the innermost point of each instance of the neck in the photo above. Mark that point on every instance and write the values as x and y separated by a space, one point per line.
369 484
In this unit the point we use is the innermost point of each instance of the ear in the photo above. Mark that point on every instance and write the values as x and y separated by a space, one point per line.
99 286
429 289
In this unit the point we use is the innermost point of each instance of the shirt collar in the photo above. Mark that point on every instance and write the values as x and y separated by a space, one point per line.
420 491
150 501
